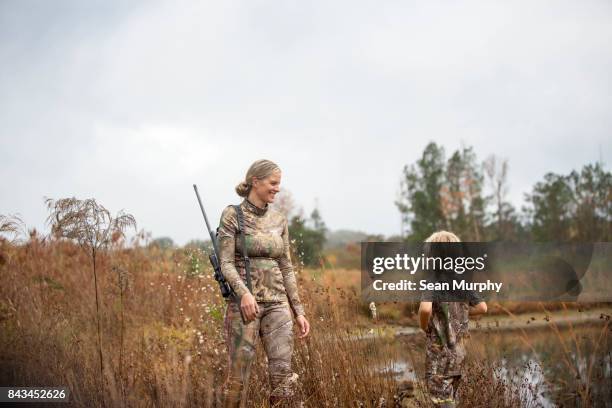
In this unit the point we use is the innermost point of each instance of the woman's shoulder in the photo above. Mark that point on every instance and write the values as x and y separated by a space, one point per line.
228 215
229 209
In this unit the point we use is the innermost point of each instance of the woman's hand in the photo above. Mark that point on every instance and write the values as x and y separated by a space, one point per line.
249 307
304 326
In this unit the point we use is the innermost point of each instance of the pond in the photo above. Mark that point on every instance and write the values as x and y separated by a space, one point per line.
547 366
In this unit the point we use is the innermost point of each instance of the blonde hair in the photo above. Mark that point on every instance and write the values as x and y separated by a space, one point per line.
431 249
443 236
260 169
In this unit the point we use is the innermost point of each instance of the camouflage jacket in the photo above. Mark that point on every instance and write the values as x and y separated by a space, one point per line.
449 322
267 242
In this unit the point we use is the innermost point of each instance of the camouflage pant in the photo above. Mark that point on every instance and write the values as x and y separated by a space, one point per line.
274 325
443 367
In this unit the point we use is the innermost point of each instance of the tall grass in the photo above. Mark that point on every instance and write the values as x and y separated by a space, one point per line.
160 325
160 317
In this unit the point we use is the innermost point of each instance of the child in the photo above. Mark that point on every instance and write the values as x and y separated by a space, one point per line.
446 326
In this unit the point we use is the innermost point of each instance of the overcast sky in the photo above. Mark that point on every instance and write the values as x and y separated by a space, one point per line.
133 104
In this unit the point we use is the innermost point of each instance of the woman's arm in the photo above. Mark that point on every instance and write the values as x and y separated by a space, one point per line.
227 247
288 276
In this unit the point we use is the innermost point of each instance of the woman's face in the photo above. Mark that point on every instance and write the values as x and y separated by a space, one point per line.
266 188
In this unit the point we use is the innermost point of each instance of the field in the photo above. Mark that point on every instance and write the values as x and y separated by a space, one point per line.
150 335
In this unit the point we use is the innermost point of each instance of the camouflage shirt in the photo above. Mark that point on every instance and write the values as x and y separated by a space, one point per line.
267 242
448 323
449 314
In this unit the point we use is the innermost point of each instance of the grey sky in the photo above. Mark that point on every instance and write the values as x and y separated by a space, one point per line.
133 104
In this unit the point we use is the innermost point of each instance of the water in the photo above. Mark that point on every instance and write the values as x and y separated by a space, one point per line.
548 367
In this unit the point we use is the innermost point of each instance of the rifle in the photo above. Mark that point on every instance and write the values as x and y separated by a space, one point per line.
226 289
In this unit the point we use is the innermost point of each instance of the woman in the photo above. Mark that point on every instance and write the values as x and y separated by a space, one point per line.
267 310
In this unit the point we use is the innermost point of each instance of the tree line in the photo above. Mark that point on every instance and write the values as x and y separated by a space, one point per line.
469 197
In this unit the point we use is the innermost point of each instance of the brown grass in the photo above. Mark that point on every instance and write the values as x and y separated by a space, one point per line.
160 317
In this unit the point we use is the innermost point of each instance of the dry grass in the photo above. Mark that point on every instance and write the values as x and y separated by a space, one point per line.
160 318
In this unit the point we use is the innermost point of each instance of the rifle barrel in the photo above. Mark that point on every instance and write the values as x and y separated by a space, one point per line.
212 237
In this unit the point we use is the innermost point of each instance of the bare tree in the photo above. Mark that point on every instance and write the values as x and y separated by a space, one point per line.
496 171
94 228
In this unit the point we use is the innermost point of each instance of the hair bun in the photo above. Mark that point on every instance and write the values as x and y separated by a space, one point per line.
242 189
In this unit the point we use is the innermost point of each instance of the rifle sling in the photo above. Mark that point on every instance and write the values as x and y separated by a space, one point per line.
245 257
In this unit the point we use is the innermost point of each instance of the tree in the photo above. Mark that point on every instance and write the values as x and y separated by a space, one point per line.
309 241
419 201
452 196
576 207
591 204
502 222
461 195
550 210
472 181
438 194
317 222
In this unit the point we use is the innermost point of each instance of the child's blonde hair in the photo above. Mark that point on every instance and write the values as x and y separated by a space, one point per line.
443 236
432 249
